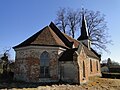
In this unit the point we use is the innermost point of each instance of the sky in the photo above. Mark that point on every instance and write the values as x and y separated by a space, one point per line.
19 19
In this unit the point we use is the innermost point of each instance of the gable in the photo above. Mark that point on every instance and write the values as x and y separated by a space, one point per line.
68 55
82 54
90 53
48 37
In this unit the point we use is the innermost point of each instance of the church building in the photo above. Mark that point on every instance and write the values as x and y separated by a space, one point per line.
52 56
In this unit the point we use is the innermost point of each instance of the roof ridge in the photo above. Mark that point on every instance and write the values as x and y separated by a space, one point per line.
70 37
61 35
54 37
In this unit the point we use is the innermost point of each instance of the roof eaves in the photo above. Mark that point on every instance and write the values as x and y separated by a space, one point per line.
29 40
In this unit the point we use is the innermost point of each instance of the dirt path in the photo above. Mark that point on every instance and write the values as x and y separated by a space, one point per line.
93 84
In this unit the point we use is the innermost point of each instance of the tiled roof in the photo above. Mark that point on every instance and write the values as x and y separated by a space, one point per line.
75 42
91 52
68 55
52 36
61 35
46 36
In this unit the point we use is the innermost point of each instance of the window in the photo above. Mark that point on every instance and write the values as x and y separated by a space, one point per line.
44 64
90 65
97 65
83 69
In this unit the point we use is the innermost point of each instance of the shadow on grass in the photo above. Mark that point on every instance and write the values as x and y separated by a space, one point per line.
10 83
21 85
6 81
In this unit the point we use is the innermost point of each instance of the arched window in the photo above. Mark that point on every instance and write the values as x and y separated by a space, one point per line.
90 65
83 69
97 65
44 64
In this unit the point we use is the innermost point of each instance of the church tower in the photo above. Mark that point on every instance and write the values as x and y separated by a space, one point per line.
84 37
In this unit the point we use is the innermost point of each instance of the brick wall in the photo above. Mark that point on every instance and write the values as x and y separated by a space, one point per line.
95 69
69 71
86 67
83 68
27 63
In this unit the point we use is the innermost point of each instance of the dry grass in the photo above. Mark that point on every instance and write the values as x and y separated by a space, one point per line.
94 84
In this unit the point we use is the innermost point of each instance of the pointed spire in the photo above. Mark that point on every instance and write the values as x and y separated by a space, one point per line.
84 31
84 37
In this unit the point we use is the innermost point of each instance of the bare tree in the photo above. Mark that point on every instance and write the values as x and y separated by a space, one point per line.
97 29
96 25
73 19
67 20
110 62
61 20
5 61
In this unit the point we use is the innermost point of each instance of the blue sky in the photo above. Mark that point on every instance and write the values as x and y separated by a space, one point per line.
19 19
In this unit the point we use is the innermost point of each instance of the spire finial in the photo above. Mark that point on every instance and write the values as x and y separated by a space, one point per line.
82 7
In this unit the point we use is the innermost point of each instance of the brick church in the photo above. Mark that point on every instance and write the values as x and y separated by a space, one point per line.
52 56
